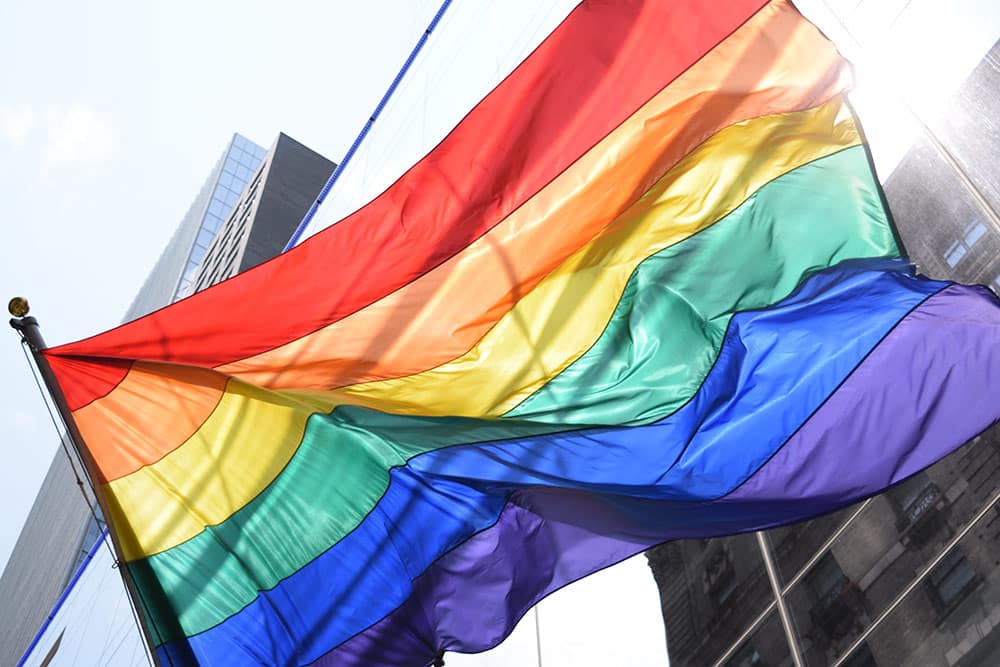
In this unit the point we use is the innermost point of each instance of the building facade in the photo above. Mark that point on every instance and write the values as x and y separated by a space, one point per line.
266 212
909 577
171 276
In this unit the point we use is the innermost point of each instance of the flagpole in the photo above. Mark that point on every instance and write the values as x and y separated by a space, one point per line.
538 635
27 327
779 598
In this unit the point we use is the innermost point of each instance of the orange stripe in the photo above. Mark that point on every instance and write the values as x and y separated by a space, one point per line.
152 411
756 71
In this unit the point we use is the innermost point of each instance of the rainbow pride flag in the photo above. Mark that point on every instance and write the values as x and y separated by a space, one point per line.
647 289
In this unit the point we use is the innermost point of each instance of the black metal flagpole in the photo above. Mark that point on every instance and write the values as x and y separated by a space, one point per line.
27 327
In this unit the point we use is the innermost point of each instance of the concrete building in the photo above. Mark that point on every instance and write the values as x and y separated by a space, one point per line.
909 577
56 535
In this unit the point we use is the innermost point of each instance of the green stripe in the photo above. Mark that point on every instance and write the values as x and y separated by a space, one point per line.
668 326
655 352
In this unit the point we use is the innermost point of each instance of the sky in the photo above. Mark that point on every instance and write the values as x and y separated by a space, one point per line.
113 112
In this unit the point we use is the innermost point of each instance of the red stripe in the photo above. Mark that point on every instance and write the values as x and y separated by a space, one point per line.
602 63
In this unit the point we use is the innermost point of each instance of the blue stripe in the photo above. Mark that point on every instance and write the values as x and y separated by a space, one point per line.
799 350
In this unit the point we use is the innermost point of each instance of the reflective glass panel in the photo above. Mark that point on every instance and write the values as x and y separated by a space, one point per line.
953 616
881 552
205 237
766 647
711 591
977 232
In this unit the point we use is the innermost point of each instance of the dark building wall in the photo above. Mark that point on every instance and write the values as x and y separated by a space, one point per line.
295 177
268 211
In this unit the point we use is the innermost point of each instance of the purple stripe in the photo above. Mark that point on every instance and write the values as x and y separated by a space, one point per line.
937 375
932 385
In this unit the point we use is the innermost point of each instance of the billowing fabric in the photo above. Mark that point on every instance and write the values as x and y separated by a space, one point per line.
647 289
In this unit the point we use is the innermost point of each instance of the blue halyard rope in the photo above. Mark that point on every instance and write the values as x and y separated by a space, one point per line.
368 125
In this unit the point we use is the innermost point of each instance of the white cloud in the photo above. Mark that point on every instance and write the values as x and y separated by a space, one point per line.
17 123
79 135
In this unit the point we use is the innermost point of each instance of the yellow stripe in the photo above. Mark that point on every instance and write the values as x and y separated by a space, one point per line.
240 449
254 432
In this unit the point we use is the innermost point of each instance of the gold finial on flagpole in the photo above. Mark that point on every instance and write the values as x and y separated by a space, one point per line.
18 306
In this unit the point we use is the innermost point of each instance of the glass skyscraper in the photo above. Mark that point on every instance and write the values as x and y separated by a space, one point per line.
170 278
239 163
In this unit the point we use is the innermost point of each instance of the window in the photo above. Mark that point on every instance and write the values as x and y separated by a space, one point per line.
912 496
955 253
826 579
183 289
916 502
212 223
951 581
839 606
205 237
974 233
248 159
719 577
